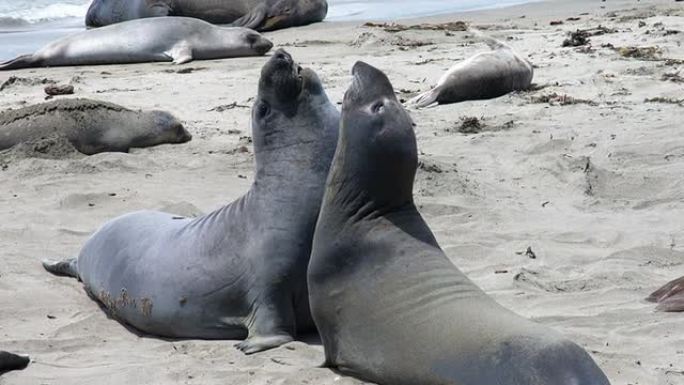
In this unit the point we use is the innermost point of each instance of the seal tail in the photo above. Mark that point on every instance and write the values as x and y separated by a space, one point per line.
65 268
490 41
23 61
425 99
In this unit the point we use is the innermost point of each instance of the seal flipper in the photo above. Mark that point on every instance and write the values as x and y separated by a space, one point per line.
23 61
180 53
253 19
10 361
670 297
65 268
425 99
159 8
272 324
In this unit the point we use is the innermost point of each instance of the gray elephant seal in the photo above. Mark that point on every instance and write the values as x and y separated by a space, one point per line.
389 305
11 361
670 297
261 15
155 39
91 126
486 75
239 272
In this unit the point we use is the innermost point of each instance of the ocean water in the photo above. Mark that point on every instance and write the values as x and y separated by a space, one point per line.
27 25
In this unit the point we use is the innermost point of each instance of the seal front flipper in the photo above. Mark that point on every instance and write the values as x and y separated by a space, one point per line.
10 361
65 268
253 19
180 53
24 61
271 324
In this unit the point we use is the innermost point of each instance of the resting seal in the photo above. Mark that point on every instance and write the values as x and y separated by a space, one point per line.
91 126
486 75
178 39
239 272
261 15
10 361
389 305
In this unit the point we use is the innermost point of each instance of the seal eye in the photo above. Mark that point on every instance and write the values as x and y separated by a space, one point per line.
378 107
263 110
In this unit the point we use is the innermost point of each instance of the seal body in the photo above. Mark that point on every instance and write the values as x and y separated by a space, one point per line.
389 305
91 126
147 40
239 272
486 75
10 361
261 15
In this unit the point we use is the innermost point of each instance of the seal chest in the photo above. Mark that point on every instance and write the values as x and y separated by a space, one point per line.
389 305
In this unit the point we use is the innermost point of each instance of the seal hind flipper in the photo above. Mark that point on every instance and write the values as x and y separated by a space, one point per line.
23 61
159 9
490 41
670 297
65 268
11 361
426 99
253 19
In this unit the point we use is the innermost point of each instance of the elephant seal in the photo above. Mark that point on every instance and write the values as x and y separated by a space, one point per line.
11 361
389 305
239 272
260 15
486 75
91 126
670 297
177 39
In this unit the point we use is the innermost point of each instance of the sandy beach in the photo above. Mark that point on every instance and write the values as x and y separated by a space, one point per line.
584 171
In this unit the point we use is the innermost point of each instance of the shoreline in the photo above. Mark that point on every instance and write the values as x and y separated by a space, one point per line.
583 170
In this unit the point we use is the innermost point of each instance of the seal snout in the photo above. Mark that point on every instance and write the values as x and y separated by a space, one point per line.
262 45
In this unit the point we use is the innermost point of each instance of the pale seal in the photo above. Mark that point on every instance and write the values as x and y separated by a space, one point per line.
670 297
11 361
389 305
177 39
91 126
486 75
239 272
261 15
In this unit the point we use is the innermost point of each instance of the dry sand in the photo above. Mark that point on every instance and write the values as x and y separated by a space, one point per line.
595 189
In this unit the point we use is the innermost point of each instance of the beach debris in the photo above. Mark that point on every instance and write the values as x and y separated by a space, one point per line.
369 38
452 26
581 36
15 80
672 77
560 99
641 53
185 70
661 99
226 107
556 22
428 166
470 125
59 89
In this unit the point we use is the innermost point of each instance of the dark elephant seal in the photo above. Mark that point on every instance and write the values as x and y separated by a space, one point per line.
91 126
389 305
261 15
486 75
11 361
177 39
239 272
670 297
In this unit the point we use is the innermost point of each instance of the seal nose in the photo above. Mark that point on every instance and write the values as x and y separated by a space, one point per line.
262 45
282 56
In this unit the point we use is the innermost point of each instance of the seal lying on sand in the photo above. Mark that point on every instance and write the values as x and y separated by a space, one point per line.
486 75
10 361
241 270
670 297
91 126
177 39
389 305
261 15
